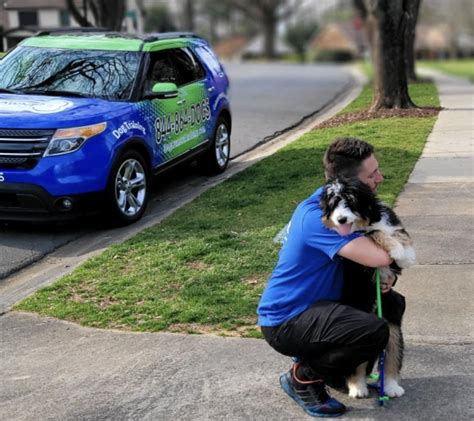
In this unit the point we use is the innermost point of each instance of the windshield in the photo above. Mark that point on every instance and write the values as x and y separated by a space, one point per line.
91 73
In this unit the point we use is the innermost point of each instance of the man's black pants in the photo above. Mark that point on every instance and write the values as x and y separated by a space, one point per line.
330 339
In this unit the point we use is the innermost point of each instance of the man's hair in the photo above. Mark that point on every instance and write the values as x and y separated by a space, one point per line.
344 157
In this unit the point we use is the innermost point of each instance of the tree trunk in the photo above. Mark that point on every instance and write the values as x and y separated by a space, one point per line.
387 20
413 7
76 14
107 13
269 32
189 15
213 20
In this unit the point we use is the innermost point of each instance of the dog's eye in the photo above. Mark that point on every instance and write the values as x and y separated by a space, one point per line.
334 201
350 200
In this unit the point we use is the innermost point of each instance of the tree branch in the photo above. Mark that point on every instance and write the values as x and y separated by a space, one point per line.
81 20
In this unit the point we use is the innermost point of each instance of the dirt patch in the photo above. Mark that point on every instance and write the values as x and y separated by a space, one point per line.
348 118
197 265
213 330
253 280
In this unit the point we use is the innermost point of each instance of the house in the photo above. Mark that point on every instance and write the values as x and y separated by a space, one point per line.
339 41
434 41
256 48
230 49
22 18
240 47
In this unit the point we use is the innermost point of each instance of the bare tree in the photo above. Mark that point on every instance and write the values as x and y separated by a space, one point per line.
141 8
159 19
299 34
189 15
267 13
107 13
389 24
412 9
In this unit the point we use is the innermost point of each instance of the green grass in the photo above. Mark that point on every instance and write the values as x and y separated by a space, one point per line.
204 268
423 94
459 67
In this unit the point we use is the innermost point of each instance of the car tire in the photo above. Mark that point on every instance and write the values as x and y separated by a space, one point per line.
127 190
216 158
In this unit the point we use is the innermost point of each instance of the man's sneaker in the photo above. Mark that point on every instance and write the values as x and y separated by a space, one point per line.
312 397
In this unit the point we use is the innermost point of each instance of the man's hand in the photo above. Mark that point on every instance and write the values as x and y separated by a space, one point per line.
387 283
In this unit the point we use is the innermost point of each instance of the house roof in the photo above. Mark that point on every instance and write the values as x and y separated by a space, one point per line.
231 47
433 37
257 45
339 36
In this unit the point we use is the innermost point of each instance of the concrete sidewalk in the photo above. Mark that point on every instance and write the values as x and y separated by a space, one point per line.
58 370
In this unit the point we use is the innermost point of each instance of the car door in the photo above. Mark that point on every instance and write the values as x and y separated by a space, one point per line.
193 124
217 82
162 110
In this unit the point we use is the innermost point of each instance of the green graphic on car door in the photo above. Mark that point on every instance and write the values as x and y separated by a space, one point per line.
184 127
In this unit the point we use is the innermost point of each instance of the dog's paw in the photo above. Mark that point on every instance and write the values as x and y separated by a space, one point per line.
358 389
393 389
408 259
397 252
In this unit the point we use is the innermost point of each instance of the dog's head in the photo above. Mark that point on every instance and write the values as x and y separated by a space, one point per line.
348 205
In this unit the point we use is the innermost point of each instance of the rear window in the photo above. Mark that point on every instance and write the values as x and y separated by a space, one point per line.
210 59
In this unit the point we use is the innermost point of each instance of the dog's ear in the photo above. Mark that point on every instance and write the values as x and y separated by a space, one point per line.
369 204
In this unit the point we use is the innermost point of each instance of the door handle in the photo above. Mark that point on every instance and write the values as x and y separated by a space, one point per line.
211 89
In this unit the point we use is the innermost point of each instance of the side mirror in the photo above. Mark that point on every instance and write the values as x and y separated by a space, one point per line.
164 90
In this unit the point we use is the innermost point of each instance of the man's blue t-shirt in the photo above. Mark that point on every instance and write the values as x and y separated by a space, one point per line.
308 270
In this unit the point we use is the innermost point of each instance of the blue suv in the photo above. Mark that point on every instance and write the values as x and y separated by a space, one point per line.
88 117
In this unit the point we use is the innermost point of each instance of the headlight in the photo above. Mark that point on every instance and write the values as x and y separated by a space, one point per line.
70 140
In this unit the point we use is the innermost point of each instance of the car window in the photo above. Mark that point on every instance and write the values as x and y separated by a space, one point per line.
210 59
188 67
161 69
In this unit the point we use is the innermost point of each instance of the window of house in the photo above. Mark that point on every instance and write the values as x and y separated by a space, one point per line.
64 18
28 18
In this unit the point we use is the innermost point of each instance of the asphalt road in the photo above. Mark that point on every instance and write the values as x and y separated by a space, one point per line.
265 99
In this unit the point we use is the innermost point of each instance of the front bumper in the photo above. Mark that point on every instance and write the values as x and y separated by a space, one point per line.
29 202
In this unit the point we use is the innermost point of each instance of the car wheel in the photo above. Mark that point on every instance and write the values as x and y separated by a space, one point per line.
128 188
217 156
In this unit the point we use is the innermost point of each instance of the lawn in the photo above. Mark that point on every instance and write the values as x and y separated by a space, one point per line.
203 268
458 67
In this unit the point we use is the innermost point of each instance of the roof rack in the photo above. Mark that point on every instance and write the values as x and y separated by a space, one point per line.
75 30
108 33
168 35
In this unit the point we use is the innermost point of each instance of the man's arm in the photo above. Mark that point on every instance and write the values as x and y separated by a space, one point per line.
364 251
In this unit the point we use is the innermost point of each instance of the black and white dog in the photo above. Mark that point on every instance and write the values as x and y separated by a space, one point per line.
349 206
